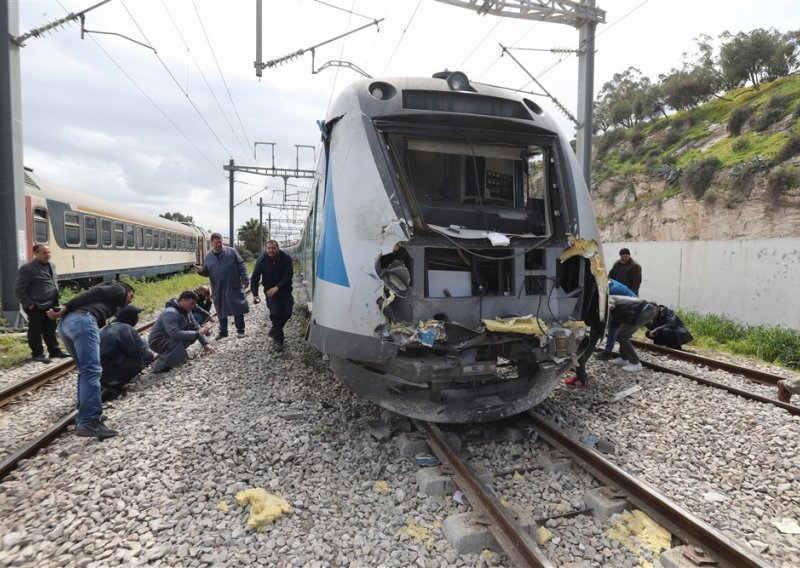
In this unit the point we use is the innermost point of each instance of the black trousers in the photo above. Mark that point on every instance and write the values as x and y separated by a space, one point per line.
280 310
668 338
120 372
39 325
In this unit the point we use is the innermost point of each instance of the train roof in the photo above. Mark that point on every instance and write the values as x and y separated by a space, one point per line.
93 205
397 96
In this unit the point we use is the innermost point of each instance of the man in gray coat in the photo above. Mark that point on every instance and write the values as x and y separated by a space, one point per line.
37 291
229 278
175 330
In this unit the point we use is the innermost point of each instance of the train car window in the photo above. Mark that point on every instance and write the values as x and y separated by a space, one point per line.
119 235
90 231
72 229
162 240
41 230
105 232
129 237
169 241
139 237
148 238
174 241
155 240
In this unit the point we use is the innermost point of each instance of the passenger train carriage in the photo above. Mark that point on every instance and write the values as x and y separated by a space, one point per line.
450 250
93 239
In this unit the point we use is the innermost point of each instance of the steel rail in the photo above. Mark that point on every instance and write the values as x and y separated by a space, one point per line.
44 439
33 446
520 547
678 521
792 409
49 374
752 374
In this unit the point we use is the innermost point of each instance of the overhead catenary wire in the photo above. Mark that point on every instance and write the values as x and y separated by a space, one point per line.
177 83
350 11
402 36
205 79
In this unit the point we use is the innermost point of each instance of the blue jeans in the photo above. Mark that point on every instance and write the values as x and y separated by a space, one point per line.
81 337
237 320
613 328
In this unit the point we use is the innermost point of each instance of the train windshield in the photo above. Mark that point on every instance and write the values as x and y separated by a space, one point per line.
484 187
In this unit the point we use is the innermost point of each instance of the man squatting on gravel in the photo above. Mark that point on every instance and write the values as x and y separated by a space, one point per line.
79 328
175 330
787 388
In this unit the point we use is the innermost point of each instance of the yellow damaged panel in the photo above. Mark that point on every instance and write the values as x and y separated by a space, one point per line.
528 325
587 248
265 507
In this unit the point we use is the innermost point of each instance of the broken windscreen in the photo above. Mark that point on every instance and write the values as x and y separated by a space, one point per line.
485 187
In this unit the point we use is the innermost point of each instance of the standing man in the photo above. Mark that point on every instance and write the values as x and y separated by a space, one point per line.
123 353
175 330
273 270
228 275
83 316
37 291
627 271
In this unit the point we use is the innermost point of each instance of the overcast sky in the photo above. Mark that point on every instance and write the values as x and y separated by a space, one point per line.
152 129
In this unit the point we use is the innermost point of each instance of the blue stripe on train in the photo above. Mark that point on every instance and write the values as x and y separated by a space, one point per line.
330 265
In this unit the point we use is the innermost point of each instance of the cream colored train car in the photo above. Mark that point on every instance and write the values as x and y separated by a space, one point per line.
93 239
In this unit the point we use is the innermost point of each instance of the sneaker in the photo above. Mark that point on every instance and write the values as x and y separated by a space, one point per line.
574 380
220 335
605 356
619 361
96 429
633 367
783 394
239 334
59 355
40 359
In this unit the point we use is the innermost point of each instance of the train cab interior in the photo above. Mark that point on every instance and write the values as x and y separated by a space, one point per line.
478 186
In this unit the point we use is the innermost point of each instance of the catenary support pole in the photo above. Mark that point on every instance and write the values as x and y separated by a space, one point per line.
585 97
12 182
230 201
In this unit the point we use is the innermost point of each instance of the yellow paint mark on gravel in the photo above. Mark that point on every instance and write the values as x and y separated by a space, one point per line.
421 534
640 535
543 536
381 486
222 507
265 508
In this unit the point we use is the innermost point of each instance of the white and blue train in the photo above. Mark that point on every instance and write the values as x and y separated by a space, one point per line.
450 249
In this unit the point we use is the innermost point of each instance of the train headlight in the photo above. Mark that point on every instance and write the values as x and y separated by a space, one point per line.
382 91
457 81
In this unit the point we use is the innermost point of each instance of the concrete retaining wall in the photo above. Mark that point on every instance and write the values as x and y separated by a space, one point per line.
751 281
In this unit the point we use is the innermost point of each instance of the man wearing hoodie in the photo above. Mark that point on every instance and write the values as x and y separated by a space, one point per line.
123 353
79 328
175 330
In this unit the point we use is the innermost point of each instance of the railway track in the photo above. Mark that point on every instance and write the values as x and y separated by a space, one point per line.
60 426
711 546
753 375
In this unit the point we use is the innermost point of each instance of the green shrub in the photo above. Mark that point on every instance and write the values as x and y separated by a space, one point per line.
636 138
767 118
698 175
741 145
737 118
741 180
758 164
670 137
790 149
670 175
609 140
779 182
779 101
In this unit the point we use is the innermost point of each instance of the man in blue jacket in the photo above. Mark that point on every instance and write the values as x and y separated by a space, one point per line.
273 270
228 275
123 352
175 330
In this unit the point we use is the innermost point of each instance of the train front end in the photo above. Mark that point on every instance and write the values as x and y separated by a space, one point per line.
457 270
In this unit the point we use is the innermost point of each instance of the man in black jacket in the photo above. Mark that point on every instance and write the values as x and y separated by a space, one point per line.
630 314
83 316
273 270
667 329
37 291
123 352
627 271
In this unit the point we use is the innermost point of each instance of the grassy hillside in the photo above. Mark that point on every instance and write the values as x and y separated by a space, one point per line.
744 139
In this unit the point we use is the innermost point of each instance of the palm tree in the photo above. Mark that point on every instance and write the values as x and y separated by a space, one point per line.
249 235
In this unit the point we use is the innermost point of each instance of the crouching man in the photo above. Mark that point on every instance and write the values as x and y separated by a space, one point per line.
175 330
123 353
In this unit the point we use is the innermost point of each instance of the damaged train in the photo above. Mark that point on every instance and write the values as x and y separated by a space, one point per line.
450 252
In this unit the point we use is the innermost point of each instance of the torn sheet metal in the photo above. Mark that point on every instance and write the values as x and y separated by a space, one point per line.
425 333
625 393
527 325
588 248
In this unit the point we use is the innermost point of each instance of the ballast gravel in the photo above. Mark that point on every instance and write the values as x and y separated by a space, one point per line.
247 416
